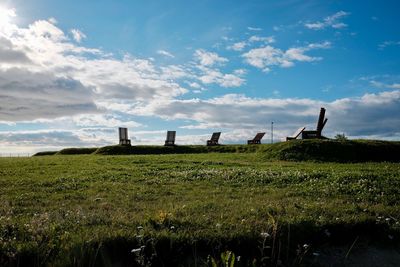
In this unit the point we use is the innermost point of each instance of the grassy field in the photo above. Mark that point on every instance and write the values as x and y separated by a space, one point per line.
179 209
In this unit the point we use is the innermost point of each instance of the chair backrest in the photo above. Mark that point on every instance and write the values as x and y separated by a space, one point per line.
215 136
298 132
321 120
171 136
259 136
123 133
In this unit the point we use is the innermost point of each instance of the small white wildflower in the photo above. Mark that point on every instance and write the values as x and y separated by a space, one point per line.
172 227
264 234
135 250
306 246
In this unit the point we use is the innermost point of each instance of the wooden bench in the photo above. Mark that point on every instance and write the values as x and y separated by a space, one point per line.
256 140
170 138
296 134
123 137
316 134
214 139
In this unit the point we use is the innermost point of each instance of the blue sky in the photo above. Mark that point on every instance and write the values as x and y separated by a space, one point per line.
71 72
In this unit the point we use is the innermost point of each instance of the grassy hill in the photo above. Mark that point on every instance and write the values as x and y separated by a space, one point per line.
296 150
334 151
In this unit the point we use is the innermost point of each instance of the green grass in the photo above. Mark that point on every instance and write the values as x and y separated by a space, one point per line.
91 209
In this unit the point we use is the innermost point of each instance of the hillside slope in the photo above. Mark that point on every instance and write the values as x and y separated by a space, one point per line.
296 150
333 150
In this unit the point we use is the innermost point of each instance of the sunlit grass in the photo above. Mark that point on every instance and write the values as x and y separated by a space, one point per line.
52 206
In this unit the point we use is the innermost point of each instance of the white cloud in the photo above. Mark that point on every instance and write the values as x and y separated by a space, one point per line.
103 120
206 58
240 72
385 44
54 138
239 46
254 29
267 40
194 85
268 56
52 20
330 21
382 81
277 28
174 72
6 15
77 35
165 53
53 77
26 95
209 76
384 85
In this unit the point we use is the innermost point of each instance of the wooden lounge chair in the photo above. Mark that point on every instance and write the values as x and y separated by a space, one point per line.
123 137
296 134
256 140
214 139
170 138
316 134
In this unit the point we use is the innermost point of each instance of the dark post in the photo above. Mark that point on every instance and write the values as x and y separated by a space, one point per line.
272 132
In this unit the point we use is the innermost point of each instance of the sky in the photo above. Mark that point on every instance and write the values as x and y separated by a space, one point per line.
72 72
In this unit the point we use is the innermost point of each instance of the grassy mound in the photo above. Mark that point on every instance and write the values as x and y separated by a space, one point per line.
334 151
296 150
45 153
191 149
76 151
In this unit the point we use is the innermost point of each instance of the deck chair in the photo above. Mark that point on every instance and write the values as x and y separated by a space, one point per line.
123 137
214 139
316 134
256 140
296 134
170 138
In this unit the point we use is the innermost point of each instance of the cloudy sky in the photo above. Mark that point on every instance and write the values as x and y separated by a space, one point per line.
72 72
